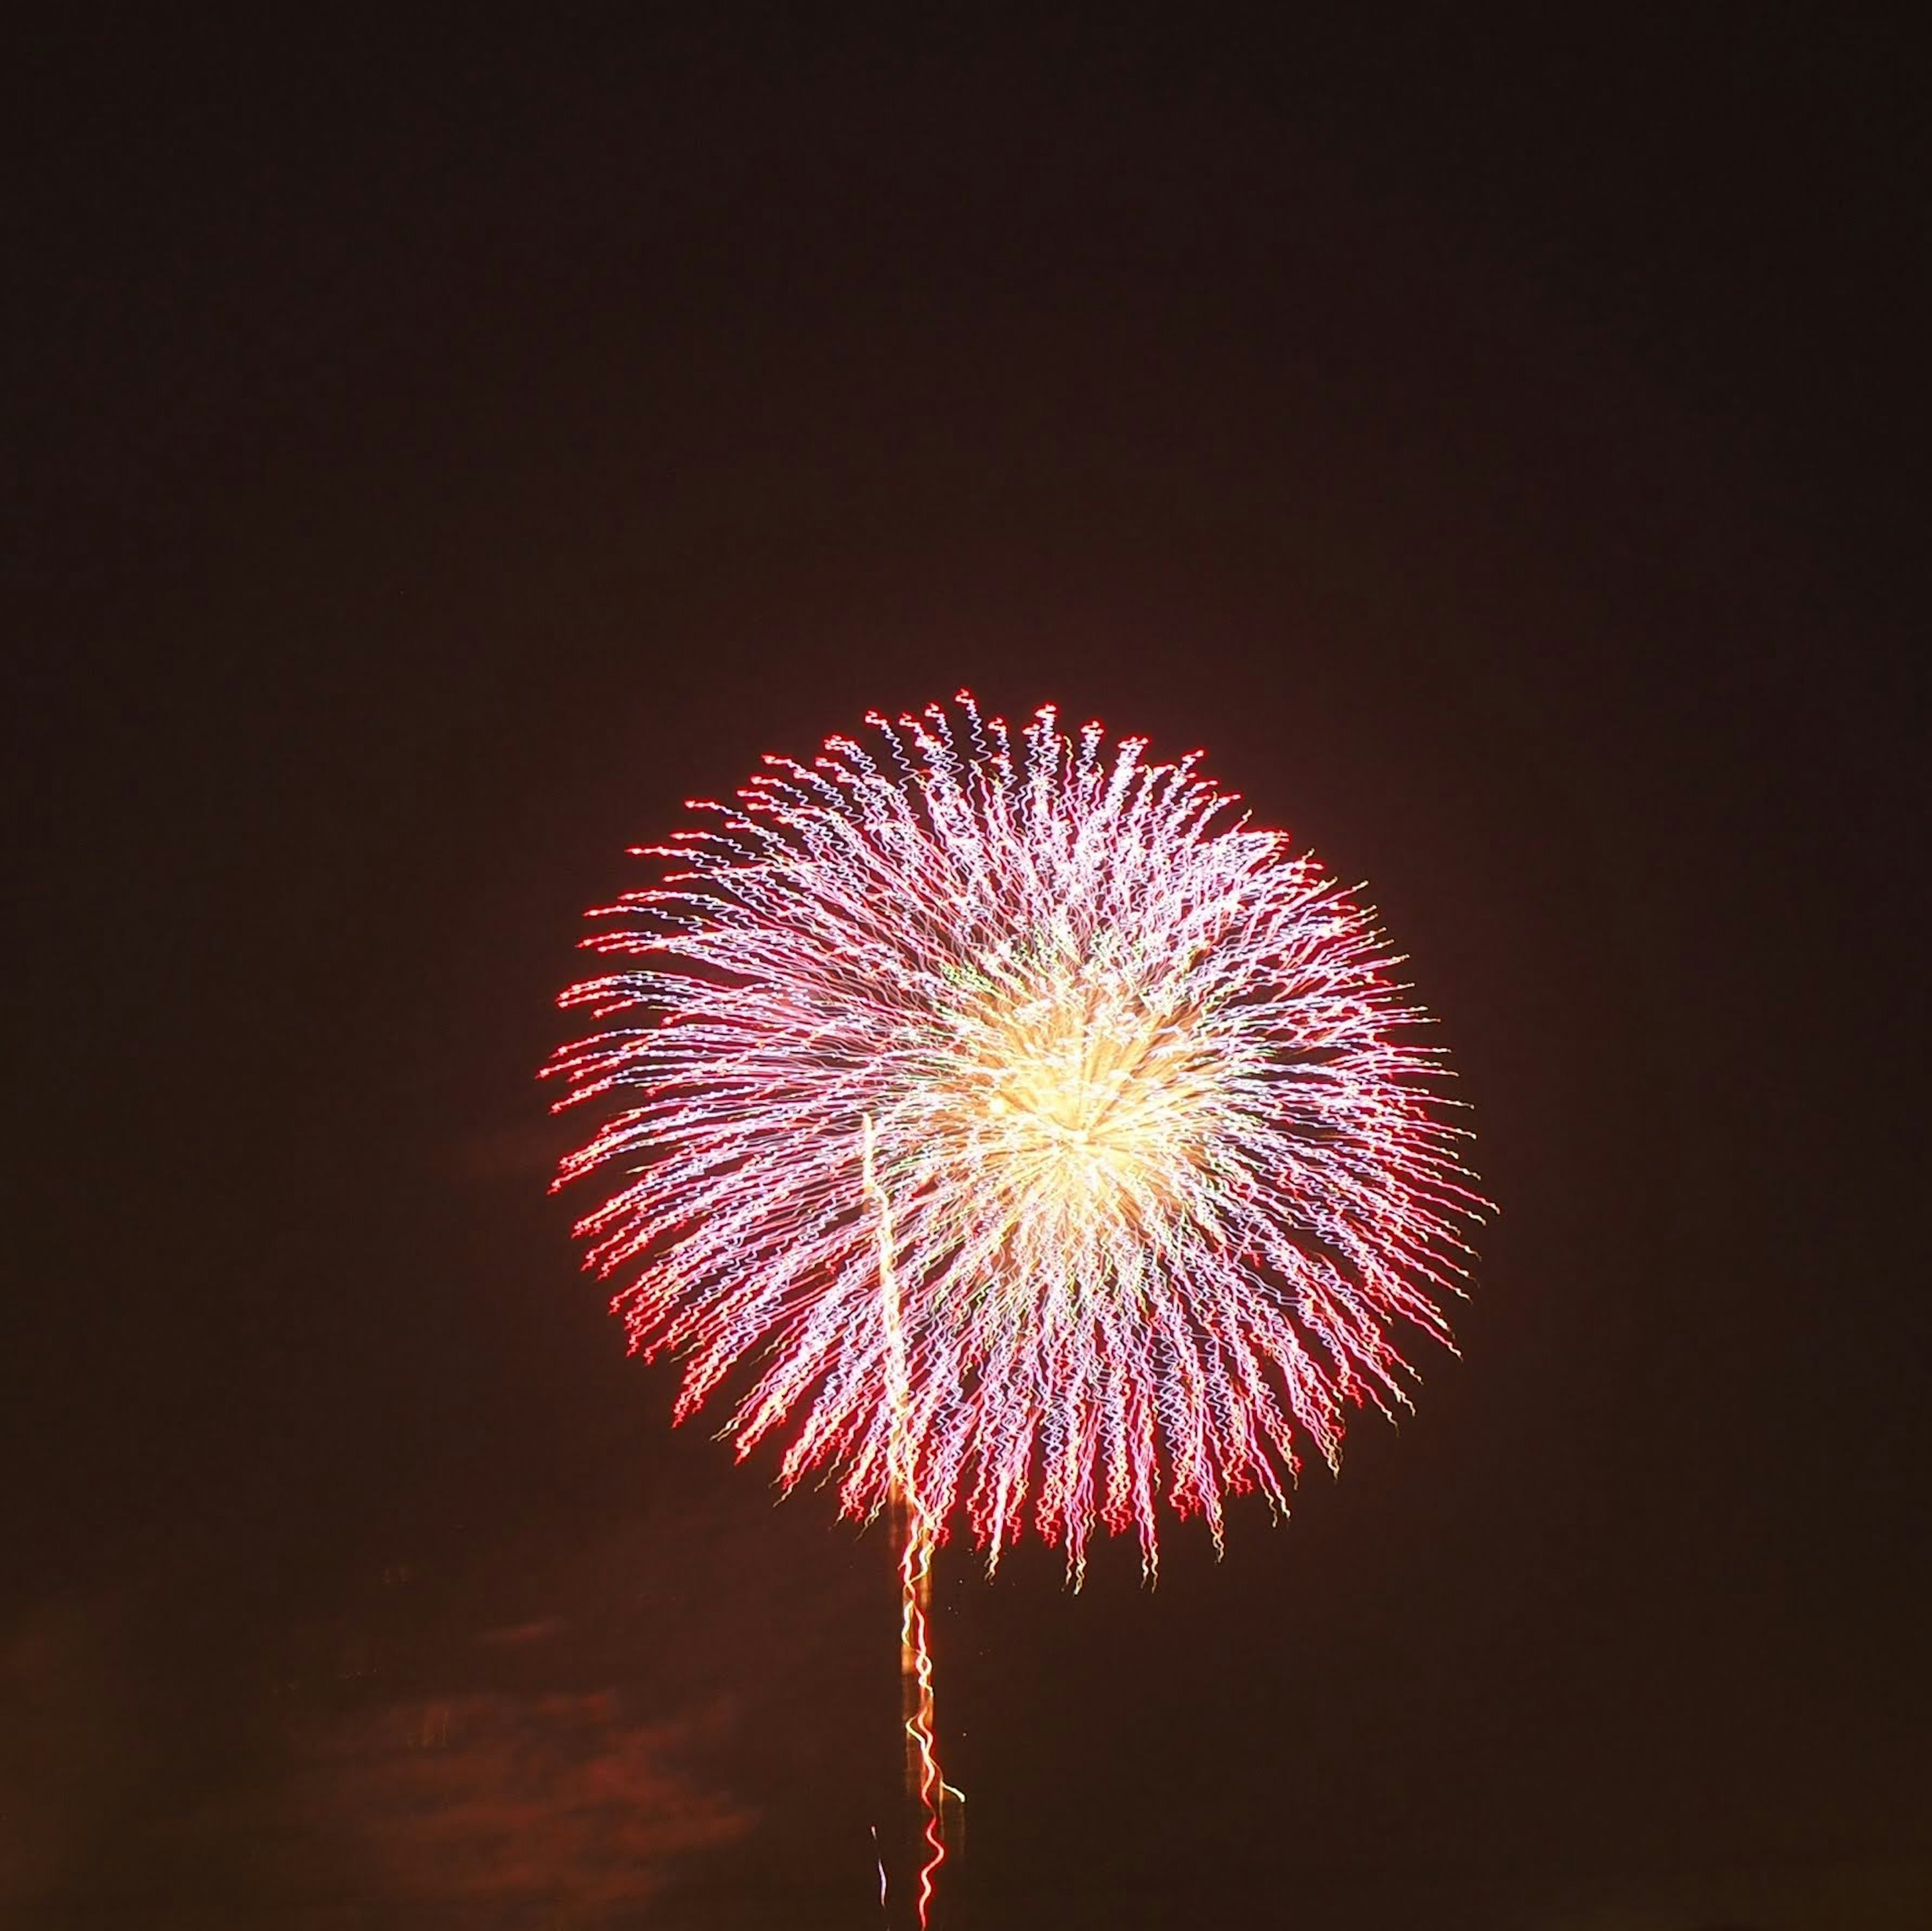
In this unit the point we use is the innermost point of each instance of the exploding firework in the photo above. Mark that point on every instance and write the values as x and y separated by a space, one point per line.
1049 1141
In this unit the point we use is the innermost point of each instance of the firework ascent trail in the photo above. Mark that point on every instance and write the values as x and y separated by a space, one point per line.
1042 1141
925 1786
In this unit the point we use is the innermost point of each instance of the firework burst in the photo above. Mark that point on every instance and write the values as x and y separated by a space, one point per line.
1048 1141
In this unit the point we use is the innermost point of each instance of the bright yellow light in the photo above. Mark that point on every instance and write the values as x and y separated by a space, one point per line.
1079 1097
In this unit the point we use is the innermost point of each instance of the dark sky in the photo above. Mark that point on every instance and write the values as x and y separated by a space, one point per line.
431 455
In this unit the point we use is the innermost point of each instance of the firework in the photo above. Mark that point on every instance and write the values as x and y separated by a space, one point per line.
1042 1140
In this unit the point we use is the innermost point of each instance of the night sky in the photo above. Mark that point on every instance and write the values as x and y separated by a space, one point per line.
431 455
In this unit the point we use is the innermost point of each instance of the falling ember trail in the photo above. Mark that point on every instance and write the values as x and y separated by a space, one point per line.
925 1786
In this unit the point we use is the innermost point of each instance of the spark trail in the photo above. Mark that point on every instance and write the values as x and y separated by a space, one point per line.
925 1786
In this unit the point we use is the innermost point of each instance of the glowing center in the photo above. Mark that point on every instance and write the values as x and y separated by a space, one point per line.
1080 1089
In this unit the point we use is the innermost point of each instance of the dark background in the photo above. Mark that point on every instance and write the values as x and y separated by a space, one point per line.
433 454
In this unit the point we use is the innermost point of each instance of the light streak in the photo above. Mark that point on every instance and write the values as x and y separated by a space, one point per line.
925 1786
1151 1172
